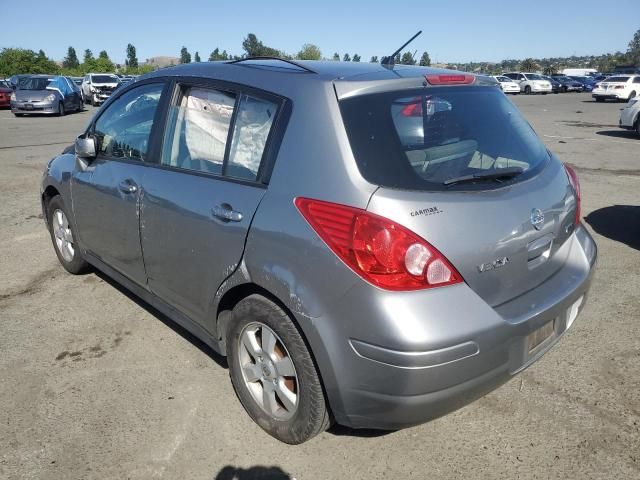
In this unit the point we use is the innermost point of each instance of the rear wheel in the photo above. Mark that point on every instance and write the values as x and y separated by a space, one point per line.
638 126
63 239
631 95
273 372
527 90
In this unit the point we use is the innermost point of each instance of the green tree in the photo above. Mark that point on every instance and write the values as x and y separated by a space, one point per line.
255 48
132 59
196 57
103 63
633 52
407 59
19 60
425 60
185 56
374 59
356 58
215 55
336 57
528 65
550 70
396 59
225 55
309 51
88 56
71 60
346 58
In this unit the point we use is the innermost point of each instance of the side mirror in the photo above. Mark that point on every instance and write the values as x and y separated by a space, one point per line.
85 147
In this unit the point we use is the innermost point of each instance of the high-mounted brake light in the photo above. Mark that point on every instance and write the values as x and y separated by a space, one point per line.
381 251
575 183
449 79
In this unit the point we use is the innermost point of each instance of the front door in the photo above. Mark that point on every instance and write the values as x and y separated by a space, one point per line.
106 194
199 202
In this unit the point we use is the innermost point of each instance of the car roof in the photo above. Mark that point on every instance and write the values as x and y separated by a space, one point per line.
286 78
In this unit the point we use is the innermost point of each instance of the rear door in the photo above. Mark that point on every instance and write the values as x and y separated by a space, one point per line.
199 201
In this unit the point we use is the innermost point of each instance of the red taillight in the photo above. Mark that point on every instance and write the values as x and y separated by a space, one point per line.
413 109
381 251
449 79
575 183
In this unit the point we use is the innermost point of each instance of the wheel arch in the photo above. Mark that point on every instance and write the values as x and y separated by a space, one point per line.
47 195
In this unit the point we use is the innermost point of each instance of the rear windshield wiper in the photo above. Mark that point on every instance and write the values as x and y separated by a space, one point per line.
498 175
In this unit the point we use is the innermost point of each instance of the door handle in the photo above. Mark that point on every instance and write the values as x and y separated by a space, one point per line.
128 186
225 212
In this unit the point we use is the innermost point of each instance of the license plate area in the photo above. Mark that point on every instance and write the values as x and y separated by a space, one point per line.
538 337
28 106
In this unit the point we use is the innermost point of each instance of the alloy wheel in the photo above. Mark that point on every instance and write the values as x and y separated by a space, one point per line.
268 371
63 236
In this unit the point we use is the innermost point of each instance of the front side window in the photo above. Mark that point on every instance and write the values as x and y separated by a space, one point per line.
123 129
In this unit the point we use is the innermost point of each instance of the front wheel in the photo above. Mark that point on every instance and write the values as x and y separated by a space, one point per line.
61 109
94 101
527 90
273 373
599 99
63 239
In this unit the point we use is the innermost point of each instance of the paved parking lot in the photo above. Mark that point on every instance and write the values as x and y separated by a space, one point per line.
95 384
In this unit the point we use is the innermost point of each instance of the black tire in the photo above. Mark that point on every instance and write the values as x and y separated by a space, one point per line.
564 89
638 126
93 101
311 415
631 95
599 99
77 264
61 111
19 114
527 90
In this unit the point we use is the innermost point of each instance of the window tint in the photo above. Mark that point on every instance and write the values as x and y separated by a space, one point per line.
618 79
123 129
251 130
198 130
419 141
636 80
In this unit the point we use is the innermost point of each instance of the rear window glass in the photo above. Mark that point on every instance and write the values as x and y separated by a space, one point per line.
420 140
617 79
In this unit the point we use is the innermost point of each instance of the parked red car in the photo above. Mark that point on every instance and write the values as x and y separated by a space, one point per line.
5 93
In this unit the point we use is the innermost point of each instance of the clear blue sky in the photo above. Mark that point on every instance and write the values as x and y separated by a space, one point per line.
453 31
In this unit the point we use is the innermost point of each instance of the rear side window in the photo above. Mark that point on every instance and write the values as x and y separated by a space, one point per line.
251 130
201 125
422 139
218 132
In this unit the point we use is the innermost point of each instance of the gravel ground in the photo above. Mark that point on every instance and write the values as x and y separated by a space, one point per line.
95 384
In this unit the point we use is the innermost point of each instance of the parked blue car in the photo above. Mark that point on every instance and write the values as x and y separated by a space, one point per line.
587 82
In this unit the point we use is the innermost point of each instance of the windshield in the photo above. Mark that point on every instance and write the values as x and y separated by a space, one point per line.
419 140
33 83
4 84
618 79
535 76
104 79
504 79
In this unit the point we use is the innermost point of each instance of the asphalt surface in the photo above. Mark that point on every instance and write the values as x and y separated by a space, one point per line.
94 384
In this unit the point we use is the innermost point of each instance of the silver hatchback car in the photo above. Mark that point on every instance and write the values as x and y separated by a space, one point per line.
367 245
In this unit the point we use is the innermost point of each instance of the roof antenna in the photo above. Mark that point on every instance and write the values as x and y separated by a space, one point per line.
390 61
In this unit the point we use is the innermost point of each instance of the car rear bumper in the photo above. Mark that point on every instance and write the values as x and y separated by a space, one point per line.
439 349
611 96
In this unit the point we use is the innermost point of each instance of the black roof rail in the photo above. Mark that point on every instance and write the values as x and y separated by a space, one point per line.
290 62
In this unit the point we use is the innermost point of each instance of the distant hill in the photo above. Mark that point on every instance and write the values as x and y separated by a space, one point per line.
162 61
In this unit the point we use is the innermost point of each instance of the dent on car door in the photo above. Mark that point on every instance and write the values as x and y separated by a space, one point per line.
199 202
106 193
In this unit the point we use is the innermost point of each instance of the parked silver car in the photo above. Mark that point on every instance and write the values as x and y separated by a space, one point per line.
45 94
367 245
